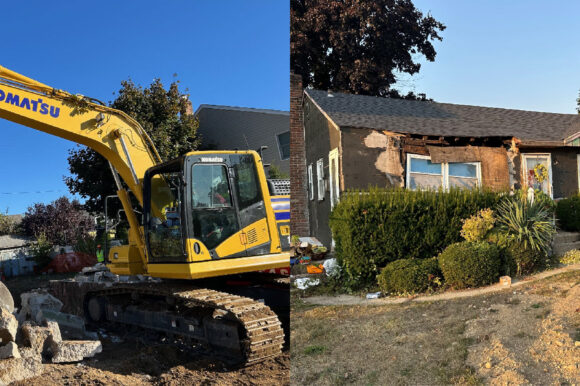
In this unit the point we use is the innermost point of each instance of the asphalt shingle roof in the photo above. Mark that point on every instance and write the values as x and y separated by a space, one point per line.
443 119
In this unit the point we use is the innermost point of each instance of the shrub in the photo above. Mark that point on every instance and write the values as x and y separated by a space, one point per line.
523 260
375 227
568 213
470 264
8 225
476 227
41 250
408 276
571 257
528 226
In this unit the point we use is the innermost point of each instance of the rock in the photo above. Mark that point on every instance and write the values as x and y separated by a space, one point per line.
39 338
17 369
36 301
6 299
75 350
488 365
8 326
9 351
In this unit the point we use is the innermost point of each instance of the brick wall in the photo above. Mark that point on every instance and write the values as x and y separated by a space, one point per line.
298 180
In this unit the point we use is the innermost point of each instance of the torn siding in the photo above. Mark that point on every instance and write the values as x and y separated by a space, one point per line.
370 158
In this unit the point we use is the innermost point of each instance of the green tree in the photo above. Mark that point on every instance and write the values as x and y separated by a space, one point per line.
358 46
165 115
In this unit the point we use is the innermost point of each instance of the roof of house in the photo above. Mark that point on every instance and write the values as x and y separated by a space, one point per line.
443 119
12 241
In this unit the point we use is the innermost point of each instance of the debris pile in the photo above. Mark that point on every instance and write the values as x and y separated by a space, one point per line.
32 337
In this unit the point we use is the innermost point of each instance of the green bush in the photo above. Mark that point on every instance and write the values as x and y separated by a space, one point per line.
41 250
470 264
568 213
524 259
477 227
375 227
408 276
526 225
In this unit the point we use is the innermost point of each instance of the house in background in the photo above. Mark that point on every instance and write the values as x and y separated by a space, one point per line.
354 141
228 128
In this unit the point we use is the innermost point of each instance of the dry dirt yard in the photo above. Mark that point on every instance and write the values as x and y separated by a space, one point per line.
524 335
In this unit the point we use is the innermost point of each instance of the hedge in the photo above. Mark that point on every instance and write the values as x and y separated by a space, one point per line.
375 227
409 276
470 264
568 213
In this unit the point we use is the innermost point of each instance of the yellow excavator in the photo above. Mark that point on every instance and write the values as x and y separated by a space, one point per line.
206 214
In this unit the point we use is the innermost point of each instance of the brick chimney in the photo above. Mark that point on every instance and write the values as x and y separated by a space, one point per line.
299 223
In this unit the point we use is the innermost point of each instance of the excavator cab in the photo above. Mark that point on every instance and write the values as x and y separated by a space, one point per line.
208 214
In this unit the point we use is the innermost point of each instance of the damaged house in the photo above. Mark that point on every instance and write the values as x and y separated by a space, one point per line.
354 141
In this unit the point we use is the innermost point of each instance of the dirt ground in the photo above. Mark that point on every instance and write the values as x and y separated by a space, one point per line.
128 358
524 335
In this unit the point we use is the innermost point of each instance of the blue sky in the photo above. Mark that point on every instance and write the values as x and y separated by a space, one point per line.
225 52
521 54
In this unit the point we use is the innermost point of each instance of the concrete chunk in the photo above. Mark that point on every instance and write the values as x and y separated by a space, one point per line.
34 302
6 299
75 350
37 338
17 369
9 351
8 326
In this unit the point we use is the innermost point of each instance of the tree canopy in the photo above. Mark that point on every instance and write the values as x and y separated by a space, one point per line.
357 46
62 222
164 115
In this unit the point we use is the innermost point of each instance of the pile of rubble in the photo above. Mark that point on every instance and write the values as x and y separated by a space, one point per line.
30 338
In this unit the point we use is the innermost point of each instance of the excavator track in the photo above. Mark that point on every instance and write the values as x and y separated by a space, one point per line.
189 310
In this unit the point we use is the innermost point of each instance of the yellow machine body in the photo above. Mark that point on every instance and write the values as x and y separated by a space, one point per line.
254 245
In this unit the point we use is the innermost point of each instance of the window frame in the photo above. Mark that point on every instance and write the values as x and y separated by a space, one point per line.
320 179
310 183
280 146
444 171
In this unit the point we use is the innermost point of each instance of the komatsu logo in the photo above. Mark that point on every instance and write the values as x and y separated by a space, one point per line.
36 105
212 159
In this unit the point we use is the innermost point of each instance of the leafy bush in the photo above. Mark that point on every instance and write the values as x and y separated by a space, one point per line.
470 264
375 227
476 227
568 213
62 222
523 260
528 226
8 225
408 276
571 257
41 250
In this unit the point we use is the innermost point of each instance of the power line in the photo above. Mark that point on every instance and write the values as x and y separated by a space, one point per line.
36 192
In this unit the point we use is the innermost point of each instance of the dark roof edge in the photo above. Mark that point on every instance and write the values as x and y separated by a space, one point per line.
245 109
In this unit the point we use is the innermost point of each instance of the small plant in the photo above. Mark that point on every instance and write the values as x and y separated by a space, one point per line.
476 227
41 250
470 264
295 240
525 224
571 257
409 276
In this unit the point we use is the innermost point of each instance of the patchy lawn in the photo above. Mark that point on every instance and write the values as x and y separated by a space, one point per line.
521 335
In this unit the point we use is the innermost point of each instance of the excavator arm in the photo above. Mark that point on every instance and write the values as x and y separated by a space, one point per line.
111 133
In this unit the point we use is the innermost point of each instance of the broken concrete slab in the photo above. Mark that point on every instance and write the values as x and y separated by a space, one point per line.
6 299
75 350
9 351
8 326
71 326
35 301
17 369
38 338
